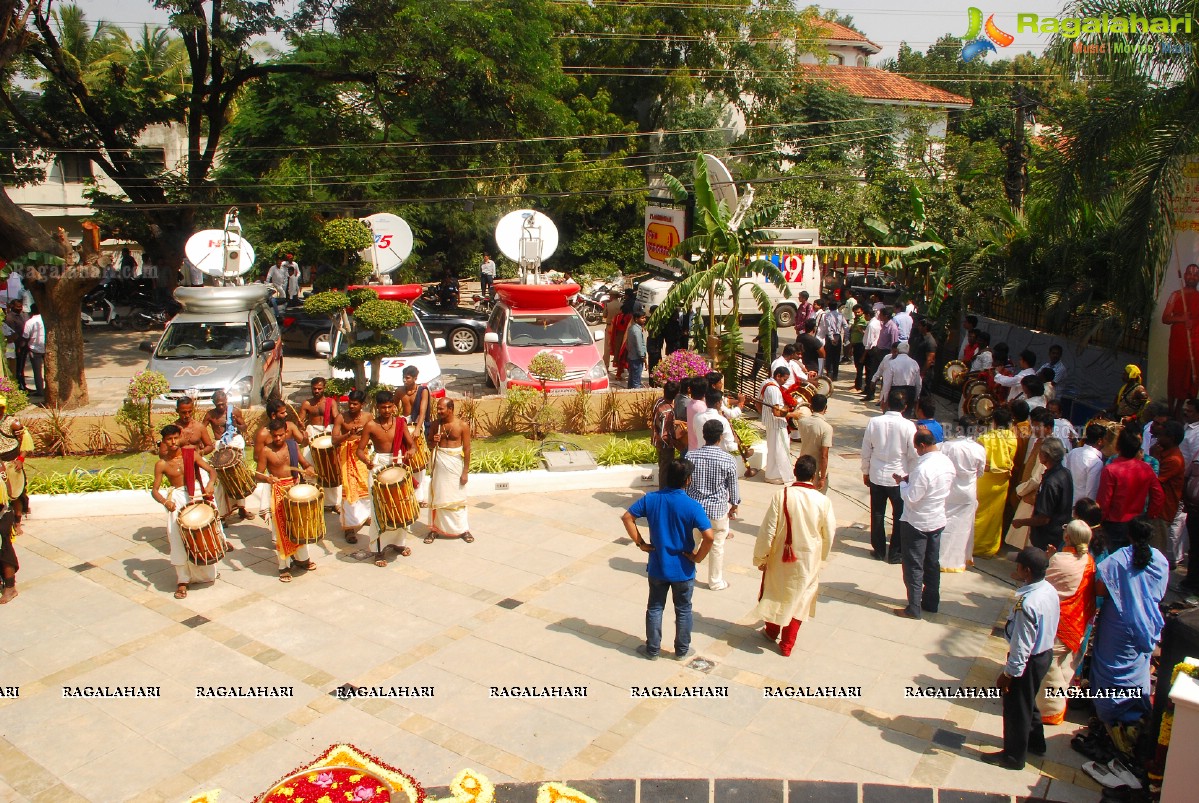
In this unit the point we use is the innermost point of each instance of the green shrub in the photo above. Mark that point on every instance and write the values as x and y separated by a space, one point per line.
81 481
624 452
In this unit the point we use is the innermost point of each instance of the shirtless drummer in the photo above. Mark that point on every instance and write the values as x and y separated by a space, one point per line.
380 433
280 463
174 465
276 409
355 477
228 427
319 412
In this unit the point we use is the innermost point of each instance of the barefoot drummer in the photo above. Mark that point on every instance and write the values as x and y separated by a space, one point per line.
228 426
319 412
418 408
180 467
280 464
451 469
381 434
355 477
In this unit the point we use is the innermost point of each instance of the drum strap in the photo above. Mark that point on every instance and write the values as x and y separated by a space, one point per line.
414 416
293 455
328 414
397 438
189 470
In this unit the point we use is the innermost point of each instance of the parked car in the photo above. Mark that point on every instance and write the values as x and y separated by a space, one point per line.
302 332
462 328
531 319
225 338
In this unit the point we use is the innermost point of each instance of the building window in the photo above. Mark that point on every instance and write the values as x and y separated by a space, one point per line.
861 61
155 159
836 58
74 168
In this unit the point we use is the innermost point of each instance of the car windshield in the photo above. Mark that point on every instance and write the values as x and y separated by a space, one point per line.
548 330
410 335
200 340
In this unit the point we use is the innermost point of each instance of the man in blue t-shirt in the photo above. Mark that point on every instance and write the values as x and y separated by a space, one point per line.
672 515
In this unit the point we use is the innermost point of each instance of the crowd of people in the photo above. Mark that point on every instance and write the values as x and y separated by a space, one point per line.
358 454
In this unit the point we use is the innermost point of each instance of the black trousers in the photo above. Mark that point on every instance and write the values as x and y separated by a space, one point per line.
832 359
1022 727
859 365
879 496
921 568
874 358
665 456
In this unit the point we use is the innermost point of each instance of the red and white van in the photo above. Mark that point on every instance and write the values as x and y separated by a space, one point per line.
529 319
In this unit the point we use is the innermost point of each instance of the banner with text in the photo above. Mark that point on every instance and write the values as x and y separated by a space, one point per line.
665 227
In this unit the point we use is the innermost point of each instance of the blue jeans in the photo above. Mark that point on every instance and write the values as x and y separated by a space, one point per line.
681 592
635 369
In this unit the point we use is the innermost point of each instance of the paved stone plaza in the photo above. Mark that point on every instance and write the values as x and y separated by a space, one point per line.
551 594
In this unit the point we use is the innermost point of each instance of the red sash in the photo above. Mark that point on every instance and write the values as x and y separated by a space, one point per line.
397 438
189 470
328 414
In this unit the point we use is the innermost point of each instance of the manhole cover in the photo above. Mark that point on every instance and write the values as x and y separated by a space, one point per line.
701 665
362 554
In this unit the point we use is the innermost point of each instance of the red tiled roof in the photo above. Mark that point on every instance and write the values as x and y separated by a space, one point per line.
871 83
840 33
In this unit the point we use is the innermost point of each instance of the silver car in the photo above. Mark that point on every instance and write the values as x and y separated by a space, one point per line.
225 338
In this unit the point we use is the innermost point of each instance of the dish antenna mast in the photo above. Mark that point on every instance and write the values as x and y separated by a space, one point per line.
221 253
527 238
721 181
392 243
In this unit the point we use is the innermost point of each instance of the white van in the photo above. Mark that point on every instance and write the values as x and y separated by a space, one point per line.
802 272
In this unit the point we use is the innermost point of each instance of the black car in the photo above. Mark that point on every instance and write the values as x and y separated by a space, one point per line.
461 328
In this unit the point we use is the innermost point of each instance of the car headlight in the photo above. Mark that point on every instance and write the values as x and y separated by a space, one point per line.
514 371
436 386
239 392
597 371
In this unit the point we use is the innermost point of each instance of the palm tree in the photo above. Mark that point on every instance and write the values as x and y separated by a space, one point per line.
94 49
723 245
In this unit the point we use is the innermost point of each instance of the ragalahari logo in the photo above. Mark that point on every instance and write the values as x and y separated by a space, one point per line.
980 38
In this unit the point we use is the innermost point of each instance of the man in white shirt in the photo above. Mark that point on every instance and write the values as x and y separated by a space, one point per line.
903 373
293 277
35 334
276 277
1032 390
924 493
874 327
983 359
713 399
1190 442
903 319
887 450
1156 415
784 360
1027 360
1085 463
1056 365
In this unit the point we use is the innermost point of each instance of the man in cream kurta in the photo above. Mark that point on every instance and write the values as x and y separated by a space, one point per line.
794 540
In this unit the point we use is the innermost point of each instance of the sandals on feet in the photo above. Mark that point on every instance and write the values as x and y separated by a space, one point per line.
405 551
181 591
284 575
468 538
308 565
430 538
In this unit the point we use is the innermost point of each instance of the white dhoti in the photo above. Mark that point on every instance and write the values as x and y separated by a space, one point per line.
332 495
286 550
779 469
185 570
447 496
385 538
957 539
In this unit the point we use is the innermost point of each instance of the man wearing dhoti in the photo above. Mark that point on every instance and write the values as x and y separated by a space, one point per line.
355 477
179 467
416 405
319 412
390 439
774 418
280 463
227 425
1000 445
451 467
969 460
794 540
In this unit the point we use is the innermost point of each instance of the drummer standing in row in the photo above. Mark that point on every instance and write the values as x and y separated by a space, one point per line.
381 433
228 432
319 412
417 407
280 464
276 410
179 466
355 478
451 469
192 432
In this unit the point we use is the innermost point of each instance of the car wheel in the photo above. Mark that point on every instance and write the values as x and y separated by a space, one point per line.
463 341
784 316
319 337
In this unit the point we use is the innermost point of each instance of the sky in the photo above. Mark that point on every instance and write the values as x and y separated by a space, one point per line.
885 22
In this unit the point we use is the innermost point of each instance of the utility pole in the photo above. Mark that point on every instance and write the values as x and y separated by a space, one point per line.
1015 180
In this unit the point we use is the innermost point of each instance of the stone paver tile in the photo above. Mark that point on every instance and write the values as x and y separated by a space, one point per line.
346 723
60 793
258 770
205 729
895 756
116 777
1066 792
638 761
969 772
751 754
705 736
57 746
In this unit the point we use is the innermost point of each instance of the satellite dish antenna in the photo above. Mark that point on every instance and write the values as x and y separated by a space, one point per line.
221 253
721 181
393 242
528 238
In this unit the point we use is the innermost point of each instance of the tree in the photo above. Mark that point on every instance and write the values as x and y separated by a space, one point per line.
368 330
722 245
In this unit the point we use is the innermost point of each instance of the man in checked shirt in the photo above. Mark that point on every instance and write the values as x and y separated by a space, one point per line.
714 486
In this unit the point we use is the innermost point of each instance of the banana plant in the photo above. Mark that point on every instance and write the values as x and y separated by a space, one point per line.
714 264
922 251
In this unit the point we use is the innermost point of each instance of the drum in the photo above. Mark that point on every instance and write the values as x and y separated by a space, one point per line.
974 387
232 473
304 512
324 460
804 394
14 475
418 458
824 386
955 372
203 538
982 406
394 498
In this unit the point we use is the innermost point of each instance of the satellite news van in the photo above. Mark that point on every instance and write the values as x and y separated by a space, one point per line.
801 270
